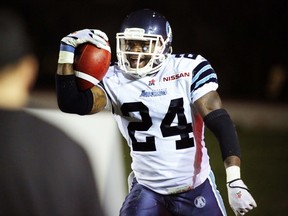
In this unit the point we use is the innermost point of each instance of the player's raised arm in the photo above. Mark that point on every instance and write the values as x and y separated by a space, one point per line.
70 99
219 122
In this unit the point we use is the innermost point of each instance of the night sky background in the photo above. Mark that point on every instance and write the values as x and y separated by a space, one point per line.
243 40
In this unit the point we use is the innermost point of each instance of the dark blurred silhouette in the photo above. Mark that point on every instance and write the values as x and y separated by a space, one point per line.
42 171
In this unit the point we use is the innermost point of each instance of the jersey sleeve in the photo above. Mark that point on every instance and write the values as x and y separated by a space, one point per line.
204 79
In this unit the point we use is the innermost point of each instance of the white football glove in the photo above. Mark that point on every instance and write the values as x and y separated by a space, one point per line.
239 197
71 41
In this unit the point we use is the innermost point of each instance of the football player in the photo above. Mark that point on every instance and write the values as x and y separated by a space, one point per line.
161 102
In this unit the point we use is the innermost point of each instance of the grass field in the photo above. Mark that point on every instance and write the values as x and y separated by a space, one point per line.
264 169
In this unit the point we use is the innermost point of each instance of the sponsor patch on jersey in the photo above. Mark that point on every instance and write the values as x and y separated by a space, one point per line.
176 76
154 93
200 202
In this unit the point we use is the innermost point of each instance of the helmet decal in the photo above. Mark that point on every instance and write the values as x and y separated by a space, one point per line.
169 31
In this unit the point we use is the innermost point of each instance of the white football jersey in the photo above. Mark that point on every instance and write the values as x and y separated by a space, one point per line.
154 115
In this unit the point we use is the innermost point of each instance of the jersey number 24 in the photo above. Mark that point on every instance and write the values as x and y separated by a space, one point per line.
175 109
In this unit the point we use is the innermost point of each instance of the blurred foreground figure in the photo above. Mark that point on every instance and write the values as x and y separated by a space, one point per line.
42 171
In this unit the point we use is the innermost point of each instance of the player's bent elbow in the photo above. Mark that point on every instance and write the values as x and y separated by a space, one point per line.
70 99
99 99
80 103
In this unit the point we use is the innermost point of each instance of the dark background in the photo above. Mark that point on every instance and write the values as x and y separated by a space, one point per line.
243 40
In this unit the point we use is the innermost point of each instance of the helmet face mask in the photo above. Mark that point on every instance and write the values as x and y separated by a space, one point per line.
143 43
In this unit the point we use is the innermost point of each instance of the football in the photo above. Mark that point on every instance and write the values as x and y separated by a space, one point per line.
90 65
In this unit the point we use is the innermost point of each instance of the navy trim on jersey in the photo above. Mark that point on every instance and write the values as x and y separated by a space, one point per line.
203 74
102 84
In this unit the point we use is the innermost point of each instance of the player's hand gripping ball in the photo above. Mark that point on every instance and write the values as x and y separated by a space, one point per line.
90 65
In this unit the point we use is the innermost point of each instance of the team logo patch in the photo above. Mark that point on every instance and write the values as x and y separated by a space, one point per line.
200 202
151 82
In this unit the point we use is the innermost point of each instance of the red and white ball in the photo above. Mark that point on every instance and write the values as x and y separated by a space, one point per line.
90 65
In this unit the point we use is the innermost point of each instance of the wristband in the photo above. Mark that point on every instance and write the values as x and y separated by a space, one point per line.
66 54
232 173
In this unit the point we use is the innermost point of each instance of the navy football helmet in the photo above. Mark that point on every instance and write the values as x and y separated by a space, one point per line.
154 32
